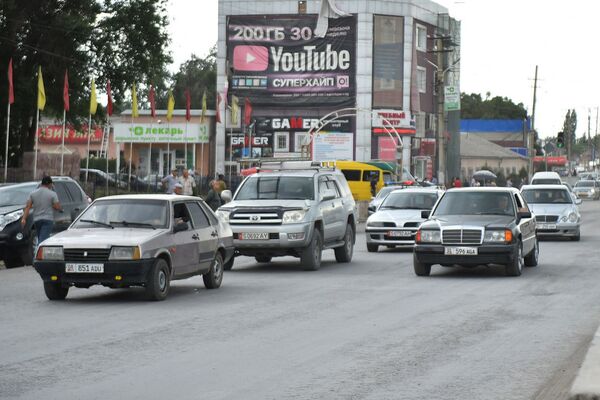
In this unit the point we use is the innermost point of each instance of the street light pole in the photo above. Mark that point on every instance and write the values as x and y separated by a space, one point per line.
441 147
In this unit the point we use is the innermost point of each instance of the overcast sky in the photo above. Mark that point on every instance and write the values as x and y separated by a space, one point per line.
502 41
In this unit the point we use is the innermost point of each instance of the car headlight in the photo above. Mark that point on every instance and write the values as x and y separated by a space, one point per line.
10 218
504 236
124 253
573 217
54 253
428 237
294 216
224 215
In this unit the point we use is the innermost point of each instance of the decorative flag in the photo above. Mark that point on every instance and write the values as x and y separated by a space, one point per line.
188 105
247 111
152 102
134 104
109 104
218 116
66 92
11 94
235 106
93 99
203 116
41 100
170 106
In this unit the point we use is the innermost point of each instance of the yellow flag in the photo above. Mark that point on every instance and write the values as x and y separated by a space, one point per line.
235 106
93 99
41 100
203 108
134 105
170 106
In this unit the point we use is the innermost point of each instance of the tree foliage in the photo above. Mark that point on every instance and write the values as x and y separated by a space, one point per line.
569 127
474 107
120 40
197 74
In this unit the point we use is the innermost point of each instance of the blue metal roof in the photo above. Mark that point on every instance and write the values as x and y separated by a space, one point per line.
493 125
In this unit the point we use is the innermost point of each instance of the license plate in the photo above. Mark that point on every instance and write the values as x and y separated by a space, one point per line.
400 233
84 268
546 227
254 236
460 251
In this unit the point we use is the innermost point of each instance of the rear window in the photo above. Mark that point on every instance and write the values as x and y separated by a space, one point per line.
547 181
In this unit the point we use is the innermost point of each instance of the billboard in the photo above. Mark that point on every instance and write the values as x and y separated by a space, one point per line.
278 60
328 146
165 133
52 134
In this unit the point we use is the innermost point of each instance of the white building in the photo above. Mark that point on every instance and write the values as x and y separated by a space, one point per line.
381 58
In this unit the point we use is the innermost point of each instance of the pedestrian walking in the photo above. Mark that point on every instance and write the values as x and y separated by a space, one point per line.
213 198
43 201
188 183
170 181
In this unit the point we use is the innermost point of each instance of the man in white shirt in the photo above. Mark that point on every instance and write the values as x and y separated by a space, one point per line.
188 183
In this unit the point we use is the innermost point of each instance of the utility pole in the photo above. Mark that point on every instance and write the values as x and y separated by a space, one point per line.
532 132
441 147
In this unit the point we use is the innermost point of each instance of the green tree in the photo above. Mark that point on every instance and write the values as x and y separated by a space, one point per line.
120 40
474 107
197 74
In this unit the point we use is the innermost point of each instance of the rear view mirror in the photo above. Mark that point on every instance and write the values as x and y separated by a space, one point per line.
578 201
523 214
425 214
226 196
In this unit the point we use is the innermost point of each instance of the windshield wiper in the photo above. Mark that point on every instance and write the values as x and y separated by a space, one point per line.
492 213
91 221
129 223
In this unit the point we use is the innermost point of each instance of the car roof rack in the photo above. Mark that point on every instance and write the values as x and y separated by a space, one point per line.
292 164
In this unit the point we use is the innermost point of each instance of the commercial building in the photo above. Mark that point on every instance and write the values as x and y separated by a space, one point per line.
380 67
477 153
50 139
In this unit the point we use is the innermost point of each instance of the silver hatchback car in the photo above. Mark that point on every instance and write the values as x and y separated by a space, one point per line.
136 240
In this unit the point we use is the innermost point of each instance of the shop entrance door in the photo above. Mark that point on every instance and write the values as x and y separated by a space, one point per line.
166 163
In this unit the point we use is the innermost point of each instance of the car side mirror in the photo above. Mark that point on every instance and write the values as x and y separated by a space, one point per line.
578 201
425 214
226 196
180 227
523 214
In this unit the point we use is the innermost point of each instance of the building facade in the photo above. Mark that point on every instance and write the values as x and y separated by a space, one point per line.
374 69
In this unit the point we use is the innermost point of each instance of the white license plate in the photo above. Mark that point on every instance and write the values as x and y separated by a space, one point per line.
254 236
546 227
460 251
84 268
400 233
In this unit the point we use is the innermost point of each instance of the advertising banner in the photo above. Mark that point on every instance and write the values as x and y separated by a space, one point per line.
278 60
299 123
451 98
52 134
329 146
172 133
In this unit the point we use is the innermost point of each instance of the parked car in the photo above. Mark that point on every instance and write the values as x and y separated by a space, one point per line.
100 177
477 226
376 201
298 210
398 218
589 176
587 189
18 243
546 178
556 213
154 181
136 240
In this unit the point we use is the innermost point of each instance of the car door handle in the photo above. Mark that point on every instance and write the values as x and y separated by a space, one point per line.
214 234
195 236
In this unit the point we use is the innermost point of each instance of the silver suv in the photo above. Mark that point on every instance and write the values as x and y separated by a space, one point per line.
296 209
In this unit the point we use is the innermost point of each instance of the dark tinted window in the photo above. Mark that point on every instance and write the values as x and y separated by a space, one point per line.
198 217
546 181
475 203
61 191
351 174
74 191
367 175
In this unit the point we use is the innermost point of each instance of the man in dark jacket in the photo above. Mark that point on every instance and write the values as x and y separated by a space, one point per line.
213 198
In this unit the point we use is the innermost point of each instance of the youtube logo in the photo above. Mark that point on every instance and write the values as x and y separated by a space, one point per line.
250 58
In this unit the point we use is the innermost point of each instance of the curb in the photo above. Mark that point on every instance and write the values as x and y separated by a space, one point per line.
587 382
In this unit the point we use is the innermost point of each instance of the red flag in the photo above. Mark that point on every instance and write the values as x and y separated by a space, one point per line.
109 105
188 105
247 111
152 102
11 94
66 92
218 116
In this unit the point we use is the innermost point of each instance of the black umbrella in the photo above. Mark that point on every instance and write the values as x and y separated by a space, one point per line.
484 175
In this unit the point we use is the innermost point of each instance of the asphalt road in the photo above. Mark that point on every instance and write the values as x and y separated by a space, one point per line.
366 330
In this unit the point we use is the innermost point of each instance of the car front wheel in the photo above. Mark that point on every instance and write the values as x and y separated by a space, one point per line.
213 279
515 267
531 260
421 269
311 255
54 291
157 287
344 253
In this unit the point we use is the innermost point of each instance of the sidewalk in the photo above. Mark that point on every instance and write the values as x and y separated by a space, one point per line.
587 382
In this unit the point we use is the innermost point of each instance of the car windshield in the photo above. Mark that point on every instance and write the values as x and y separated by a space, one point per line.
15 195
556 196
584 184
409 201
475 203
385 191
104 213
277 187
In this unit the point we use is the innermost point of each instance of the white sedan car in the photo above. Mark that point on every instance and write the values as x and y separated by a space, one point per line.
398 217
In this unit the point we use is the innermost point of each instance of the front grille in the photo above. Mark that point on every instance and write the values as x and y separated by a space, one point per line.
412 224
265 218
461 236
546 218
86 255
378 224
